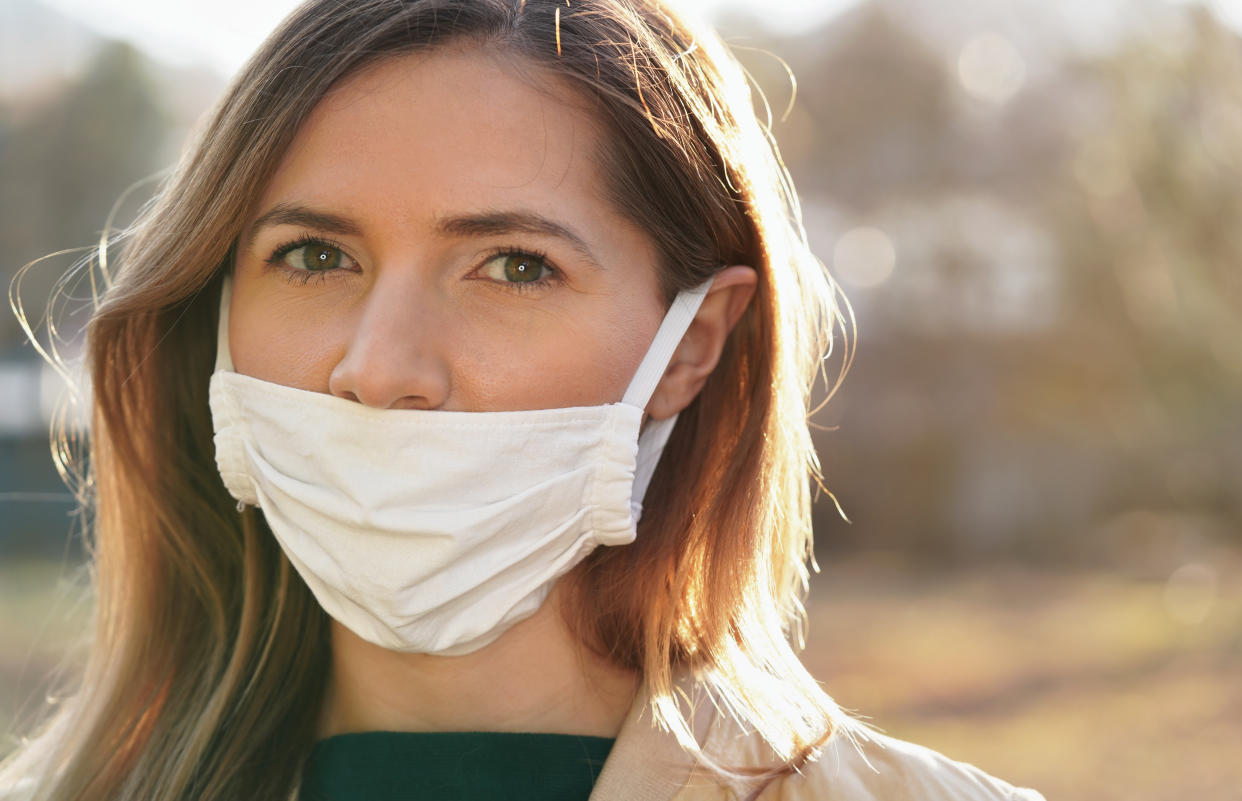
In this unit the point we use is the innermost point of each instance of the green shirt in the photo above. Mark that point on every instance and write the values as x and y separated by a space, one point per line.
453 766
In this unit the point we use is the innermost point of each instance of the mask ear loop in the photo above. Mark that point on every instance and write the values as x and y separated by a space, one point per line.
652 368
224 359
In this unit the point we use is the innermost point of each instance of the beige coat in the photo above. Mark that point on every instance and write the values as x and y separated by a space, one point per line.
647 764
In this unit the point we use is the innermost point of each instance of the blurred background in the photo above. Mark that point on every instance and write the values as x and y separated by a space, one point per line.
1035 209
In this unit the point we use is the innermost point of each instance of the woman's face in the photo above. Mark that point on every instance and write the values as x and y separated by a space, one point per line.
436 237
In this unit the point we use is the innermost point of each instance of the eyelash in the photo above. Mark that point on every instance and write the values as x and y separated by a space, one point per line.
302 277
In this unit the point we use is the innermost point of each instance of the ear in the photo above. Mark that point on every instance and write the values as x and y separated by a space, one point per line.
700 348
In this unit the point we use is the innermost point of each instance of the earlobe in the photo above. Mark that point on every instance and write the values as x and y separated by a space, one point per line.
704 341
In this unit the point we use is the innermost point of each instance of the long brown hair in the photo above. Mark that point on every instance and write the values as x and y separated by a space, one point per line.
210 655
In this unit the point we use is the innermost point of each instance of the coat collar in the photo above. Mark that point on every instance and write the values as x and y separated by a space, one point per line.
647 763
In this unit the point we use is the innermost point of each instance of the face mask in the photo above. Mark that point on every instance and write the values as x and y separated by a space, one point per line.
435 531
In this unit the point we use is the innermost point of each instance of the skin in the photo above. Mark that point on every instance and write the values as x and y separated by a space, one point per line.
413 316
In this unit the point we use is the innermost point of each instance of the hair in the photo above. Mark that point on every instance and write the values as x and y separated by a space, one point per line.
209 658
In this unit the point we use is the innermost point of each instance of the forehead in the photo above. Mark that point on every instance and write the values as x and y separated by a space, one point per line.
451 128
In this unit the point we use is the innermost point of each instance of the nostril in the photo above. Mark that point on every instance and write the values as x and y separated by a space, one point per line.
411 402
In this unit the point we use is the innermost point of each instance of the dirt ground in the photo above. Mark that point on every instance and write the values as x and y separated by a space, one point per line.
1085 685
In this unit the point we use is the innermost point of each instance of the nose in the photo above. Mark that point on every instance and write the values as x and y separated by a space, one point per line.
393 358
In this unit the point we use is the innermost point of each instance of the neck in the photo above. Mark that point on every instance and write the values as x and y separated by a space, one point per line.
535 678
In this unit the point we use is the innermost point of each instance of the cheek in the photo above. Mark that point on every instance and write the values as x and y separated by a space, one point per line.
586 360
277 342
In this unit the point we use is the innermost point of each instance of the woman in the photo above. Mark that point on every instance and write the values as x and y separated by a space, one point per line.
380 390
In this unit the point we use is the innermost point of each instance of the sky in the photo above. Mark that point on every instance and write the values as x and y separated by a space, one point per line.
222 33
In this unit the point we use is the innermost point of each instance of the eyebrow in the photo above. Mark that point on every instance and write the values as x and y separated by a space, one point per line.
493 223
293 214
485 223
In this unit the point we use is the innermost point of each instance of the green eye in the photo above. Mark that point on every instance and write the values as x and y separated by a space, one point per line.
522 269
517 268
315 257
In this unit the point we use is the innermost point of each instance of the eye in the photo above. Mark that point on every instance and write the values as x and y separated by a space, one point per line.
310 256
314 257
517 267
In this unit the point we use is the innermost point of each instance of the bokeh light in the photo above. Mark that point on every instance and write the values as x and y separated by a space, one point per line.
864 257
1191 592
991 68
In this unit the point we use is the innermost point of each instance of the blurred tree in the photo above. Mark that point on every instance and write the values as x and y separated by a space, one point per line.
1060 343
1148 218
64 163
873 111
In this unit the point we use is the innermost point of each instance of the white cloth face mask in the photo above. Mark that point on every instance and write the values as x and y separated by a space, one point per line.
435 531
